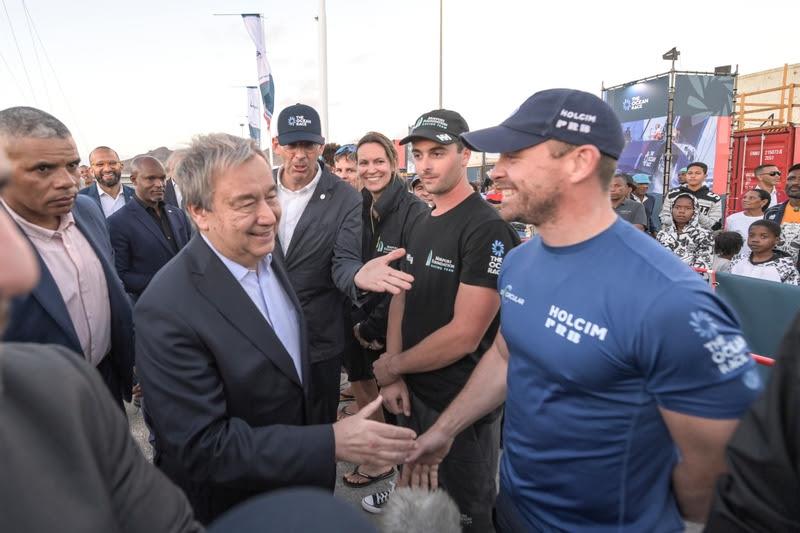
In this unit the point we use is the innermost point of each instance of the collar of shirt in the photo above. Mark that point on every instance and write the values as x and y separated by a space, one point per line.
158 209
37 232
238 271
307 189
101 192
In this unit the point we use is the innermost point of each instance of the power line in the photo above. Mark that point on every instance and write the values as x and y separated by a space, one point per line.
11 73
36 54
55 75
19 51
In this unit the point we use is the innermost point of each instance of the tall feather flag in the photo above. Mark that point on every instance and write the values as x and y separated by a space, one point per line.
255 27
254 113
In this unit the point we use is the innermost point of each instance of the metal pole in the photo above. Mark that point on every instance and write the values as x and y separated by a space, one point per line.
323 67
441 45
670 119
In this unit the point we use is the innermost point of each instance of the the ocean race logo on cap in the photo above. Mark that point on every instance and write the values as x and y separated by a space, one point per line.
575 121
299 121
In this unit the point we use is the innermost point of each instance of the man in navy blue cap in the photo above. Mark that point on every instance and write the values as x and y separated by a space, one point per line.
319 233
608 427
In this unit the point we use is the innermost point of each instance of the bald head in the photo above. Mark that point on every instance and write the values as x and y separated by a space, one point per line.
22 122
145 163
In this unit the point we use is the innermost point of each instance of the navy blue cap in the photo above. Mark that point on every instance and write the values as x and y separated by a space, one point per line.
566 115
297 123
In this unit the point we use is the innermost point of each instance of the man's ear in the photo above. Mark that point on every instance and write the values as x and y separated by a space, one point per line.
199 215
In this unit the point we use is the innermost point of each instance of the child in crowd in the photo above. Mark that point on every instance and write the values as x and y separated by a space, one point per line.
691 243
727 245
764 261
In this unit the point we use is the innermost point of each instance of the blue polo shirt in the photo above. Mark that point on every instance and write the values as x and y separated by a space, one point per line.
601 336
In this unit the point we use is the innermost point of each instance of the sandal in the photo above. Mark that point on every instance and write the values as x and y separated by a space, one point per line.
369 479
344 413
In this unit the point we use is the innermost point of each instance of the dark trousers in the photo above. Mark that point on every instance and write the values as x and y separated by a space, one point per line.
469 471
325 376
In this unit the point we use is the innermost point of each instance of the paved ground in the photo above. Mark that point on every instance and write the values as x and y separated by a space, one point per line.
348 494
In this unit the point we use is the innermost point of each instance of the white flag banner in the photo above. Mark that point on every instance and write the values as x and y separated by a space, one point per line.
255 27
254 113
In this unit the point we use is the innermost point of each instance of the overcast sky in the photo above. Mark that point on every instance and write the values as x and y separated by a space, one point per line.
138 75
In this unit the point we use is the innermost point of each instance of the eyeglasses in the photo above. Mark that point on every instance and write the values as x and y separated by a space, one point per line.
773 173
346 150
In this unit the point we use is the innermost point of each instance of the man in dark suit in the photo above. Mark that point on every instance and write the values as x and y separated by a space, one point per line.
79 301
76 428
222 349
146 233
109 193
320 241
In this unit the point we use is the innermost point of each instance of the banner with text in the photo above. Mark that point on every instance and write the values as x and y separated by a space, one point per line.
254 113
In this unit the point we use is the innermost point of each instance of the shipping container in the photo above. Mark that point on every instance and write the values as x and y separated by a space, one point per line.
779 146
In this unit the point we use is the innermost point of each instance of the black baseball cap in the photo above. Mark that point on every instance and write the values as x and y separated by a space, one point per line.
566 115
440 125
299 122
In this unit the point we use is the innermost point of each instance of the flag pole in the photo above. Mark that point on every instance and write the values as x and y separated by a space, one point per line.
323 67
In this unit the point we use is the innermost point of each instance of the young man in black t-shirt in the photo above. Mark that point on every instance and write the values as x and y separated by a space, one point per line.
440 328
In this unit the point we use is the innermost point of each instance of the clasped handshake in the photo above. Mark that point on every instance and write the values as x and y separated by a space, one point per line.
361 440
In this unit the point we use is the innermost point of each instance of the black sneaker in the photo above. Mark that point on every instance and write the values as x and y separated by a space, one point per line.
374 503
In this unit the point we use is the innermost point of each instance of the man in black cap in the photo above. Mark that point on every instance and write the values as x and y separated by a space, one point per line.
320 243
438 331
607 427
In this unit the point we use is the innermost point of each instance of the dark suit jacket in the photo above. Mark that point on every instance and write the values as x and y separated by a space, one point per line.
230 416
91 192
169 194
62 436
140 248
42 316
322 260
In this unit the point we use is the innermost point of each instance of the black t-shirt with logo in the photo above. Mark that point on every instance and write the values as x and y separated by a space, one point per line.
464 245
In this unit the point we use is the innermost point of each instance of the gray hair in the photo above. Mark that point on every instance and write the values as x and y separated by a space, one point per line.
31 122
421 511
208 157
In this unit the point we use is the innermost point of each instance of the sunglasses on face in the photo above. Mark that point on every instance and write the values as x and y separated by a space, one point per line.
345 150
773 173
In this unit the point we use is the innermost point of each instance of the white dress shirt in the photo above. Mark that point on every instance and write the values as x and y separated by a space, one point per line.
293 203
110 204
264 289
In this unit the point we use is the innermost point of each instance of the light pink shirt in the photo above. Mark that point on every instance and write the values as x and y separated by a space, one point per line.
79 277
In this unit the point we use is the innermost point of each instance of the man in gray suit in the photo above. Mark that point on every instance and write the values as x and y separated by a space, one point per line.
320 242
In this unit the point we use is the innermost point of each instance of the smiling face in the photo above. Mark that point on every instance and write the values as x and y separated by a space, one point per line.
374 168
531 182
106 167
244 214
44 178
440 167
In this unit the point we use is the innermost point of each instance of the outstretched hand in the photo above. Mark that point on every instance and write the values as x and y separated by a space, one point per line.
432 447
419 476
377 276
360 440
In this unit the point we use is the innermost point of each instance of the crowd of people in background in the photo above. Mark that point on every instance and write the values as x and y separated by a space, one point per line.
224 297
761 241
